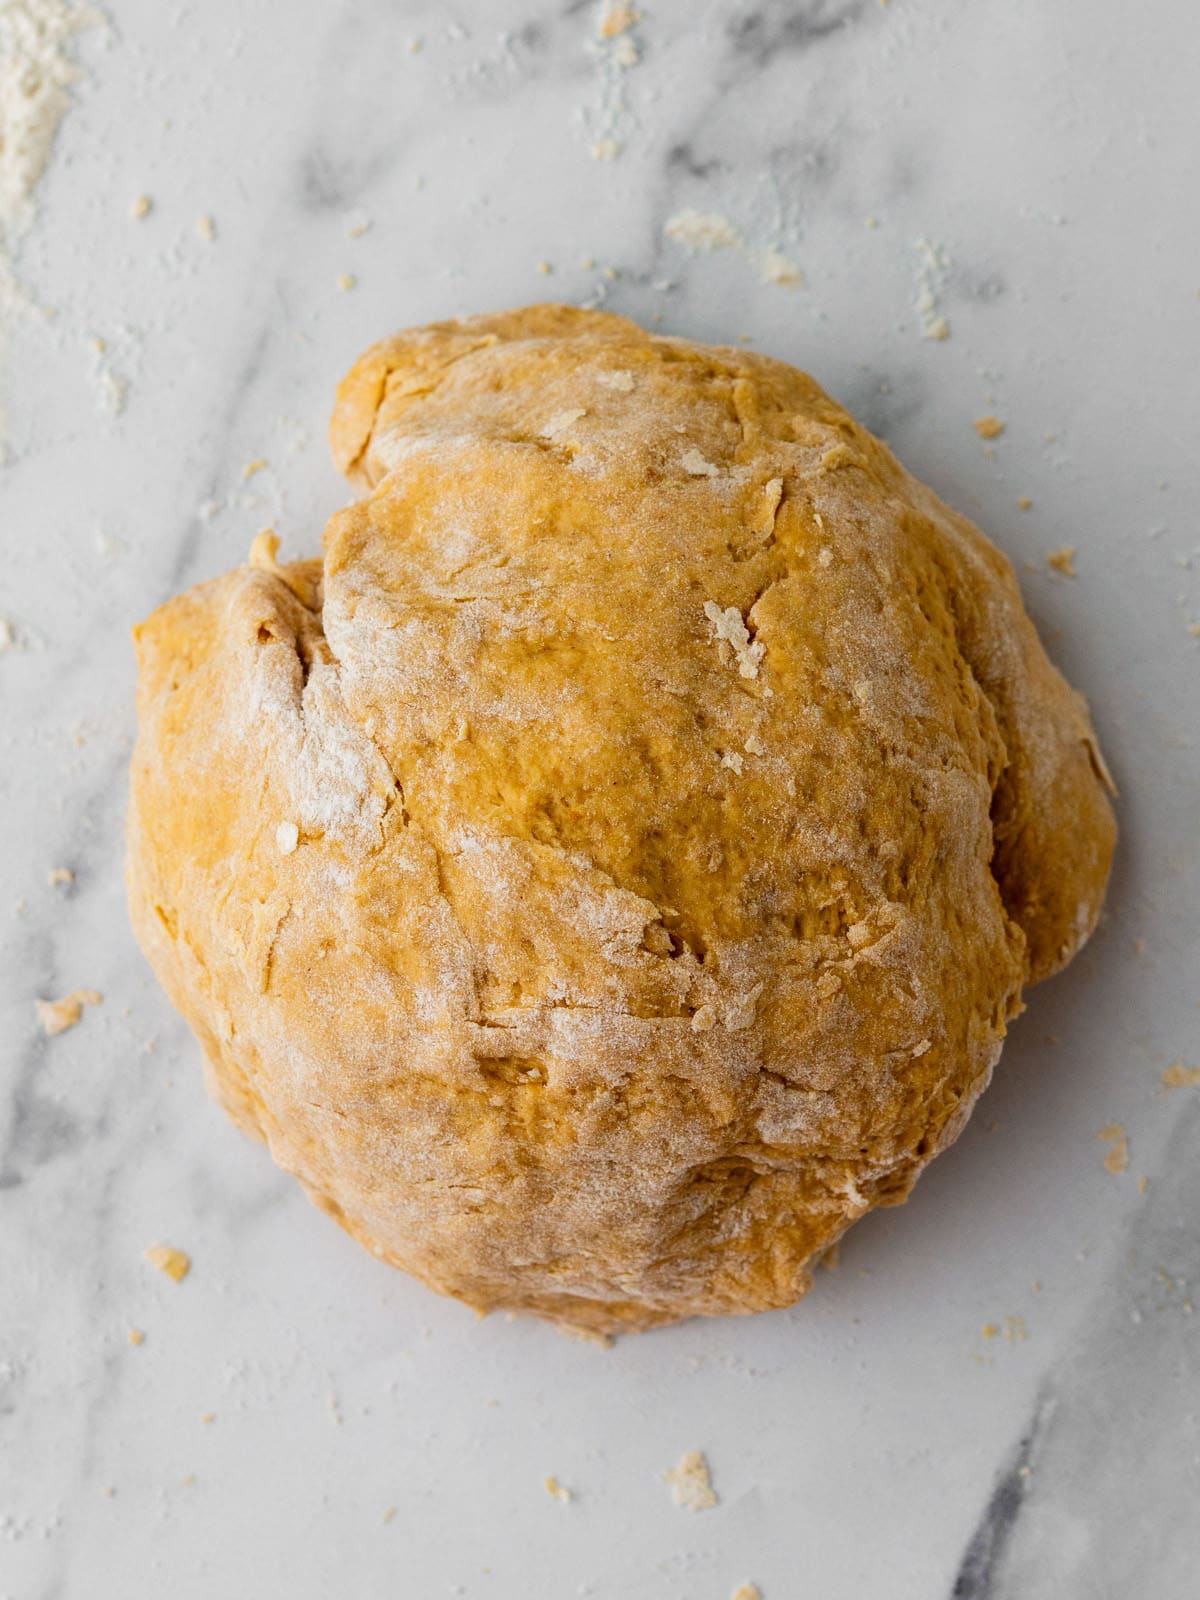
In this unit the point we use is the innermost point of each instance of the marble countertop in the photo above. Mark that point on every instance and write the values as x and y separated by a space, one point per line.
996 1394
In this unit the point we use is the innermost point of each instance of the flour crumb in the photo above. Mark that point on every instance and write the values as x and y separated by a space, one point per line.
932 266
1177 1076
142 206
175 1263
259 464
562 422
345 281
1015 1330
732 760
920 1049
206 228
730 626
58 875
1024 503
694 463
605 150
782 270
621 380
287 837
747 1591
56 1016
136 1336
111 388
1116 1157
702 232
545 268
360 225
8 636
691 1482
556 1490
1063 561
989 427
825 556
704 1019
625 52
754 746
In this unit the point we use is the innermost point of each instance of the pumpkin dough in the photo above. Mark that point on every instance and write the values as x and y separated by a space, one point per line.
611 869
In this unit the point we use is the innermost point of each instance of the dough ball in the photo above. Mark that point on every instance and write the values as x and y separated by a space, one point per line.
611 869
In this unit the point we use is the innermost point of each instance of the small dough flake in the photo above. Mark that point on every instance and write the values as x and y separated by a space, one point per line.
621 380
56 1016
1063 561
691 1482
730 626
747 1591
287 837
264 548
1177 1076
1116 1157
556 1490
175 1263
697 466
618 19
563 422
989 427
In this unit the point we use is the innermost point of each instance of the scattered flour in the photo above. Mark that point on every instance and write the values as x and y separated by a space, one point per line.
702 231
781 269
36 74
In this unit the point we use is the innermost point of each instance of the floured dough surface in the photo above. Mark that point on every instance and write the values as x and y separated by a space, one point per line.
610 871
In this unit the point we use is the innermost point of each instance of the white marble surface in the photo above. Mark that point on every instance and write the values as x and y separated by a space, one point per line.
873 1441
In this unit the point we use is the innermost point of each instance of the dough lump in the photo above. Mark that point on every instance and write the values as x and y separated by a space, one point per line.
610 870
